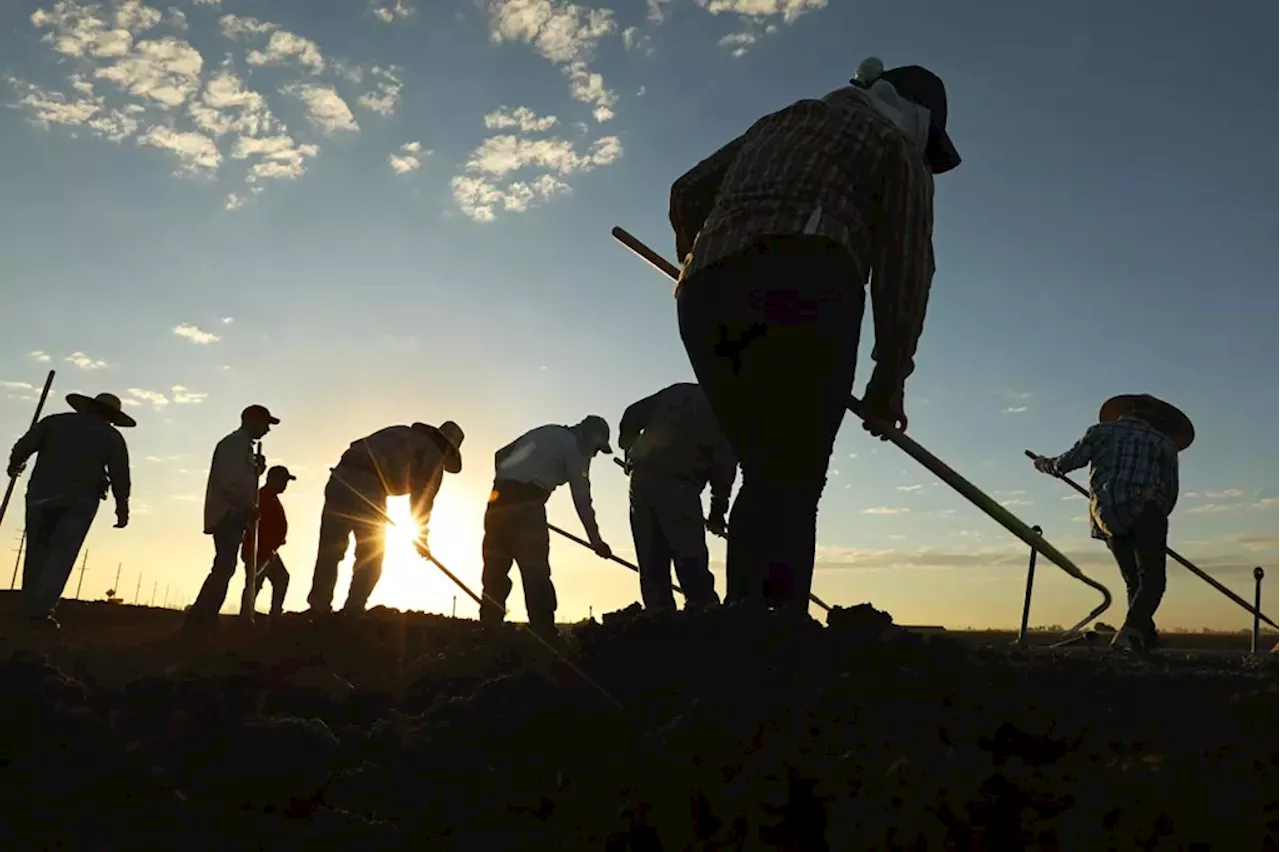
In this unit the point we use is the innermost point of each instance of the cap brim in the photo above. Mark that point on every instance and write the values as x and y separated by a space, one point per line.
941 153
606 449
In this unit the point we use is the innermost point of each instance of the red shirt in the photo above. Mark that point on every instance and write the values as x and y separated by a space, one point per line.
272 525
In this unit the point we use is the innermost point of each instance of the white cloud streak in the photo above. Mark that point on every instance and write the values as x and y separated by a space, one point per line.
41 356
409 158
84 362
325 107
197 154
386 93
522 117
399 10
195 334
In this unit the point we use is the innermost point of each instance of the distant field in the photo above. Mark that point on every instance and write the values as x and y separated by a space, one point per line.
1188 640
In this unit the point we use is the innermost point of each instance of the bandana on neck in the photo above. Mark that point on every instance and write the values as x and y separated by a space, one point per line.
911 118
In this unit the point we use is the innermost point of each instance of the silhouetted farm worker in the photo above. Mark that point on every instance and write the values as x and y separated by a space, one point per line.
79 456
230 494
273 528
1133 484
515 522
778 231
673 448
391 462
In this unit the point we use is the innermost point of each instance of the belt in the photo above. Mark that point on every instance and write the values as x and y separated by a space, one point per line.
507 492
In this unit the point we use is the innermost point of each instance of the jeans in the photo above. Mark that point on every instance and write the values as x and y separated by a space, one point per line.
273 569
56 530
667 526
772 335
1140 553
227 536
517 533
353 504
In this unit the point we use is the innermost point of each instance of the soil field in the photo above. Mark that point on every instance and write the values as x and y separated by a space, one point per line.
726 730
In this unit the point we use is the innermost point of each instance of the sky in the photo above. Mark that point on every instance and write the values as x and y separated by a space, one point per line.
368 213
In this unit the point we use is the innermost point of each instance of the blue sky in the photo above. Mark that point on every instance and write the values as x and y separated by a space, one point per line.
365 214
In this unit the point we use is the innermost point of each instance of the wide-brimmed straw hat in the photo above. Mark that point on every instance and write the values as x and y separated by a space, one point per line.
452 435
1162 415
105 404
920 86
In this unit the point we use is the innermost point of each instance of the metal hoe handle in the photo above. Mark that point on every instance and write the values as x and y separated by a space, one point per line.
935 465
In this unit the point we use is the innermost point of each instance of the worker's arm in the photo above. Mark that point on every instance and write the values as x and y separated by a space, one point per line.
724 469
580 488
26 446
1171 483
118 470
902 262
423 491
1081 454
231 474
693 195
635 419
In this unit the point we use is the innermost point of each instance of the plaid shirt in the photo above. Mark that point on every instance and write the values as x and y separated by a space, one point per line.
834 168
1132 464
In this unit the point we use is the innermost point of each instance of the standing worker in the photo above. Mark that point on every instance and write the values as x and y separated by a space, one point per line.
229 510
515 522
778 231
673 447
80 456
273 527
394 461
1133 487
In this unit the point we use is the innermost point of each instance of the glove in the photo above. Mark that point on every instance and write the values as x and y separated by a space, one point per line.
259 463
882 410
716 525
421 546
1046 465
602 550
122 516
15 470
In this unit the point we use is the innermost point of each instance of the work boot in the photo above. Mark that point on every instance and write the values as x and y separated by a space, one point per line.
43 622
1131 640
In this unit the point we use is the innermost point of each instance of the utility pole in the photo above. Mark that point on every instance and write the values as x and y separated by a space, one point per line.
454 613
137 590
119 565
166 597
80 584
154 586
21 541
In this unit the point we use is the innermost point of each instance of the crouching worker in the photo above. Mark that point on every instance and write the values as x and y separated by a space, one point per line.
1133 486
273 527
515 523
673 447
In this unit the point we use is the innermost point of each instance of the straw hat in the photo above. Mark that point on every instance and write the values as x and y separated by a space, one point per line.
107 405
452 434
1162 415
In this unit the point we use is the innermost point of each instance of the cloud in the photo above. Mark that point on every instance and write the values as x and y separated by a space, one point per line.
38 355
522 117
910 488
195 334
566 35
226 106
45 108
286 48
884 510
756 18
739 42
1212 508
76 29
386 93
238 27
84 362
157 400
1225 494
409 159
197 154
166 70
228 320
19 386
325 107
207 2
163 458
234 201
657 10
1018 409
177 18
398 10
182 396
1009 504
479 198
282 157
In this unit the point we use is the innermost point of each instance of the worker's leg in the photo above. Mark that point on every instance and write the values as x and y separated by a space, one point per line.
495 576
70 524
653 556
336 527
227 537
1124 551
680 517
530 543
1150 533
39 527
275 571
371 539
772 335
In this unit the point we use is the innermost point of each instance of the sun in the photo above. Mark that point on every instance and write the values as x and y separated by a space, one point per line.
410 582
403 529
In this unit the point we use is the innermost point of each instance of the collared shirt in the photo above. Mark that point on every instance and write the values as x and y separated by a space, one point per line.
835 168
79 457
233 478
674 432
406 460
548 457
1132 464
272 526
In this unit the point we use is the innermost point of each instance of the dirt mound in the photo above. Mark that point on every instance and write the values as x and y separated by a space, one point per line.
721 730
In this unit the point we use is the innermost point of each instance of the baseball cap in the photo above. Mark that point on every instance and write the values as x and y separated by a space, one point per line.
600 427
259 412
281 470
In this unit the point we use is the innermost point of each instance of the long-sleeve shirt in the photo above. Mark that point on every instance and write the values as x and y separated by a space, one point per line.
834 168
233 479
273 526
79 456
674 432
548 457
406 460
1132 464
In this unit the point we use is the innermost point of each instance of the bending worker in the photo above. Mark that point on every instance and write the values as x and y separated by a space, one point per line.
673 447
394 461
515 523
